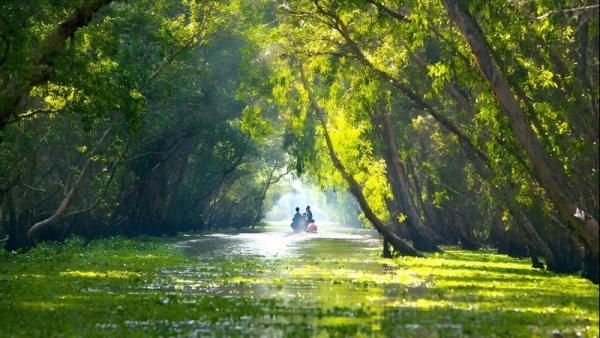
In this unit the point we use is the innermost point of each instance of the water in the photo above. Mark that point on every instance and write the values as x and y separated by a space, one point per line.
301 282
333 283
277 241
296 250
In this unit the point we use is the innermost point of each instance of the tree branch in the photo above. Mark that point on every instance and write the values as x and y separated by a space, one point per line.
568 10
72 192
40 64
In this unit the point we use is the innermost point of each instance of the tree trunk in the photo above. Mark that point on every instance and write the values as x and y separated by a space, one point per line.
534 239
566 249
263 195
17 226
32 232
397 243
172 197
549 174
399 229
441 218
556 261
466 240
386 252
423 237
507 195
416 188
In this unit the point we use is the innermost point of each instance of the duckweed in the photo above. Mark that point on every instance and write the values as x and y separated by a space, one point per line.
316 286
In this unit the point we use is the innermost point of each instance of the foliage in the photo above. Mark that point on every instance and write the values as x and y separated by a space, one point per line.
409 61
175 114
159 81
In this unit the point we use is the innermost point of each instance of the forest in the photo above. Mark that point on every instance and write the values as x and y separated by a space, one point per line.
451 122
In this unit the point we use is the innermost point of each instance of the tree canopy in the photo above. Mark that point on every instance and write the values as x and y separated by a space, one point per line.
448 122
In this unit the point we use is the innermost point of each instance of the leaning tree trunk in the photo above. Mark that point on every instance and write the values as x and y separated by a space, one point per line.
534 239
548 173
32 233
506 193
423 237
396 242
56 217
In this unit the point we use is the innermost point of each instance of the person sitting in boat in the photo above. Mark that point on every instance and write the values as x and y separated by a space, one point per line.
309 216
297 221
310 222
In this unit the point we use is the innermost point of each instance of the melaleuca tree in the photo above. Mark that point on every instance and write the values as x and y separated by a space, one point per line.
135 127
347 133
529 86
489 128
406 35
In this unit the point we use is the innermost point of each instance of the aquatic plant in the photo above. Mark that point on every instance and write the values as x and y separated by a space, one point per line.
331 287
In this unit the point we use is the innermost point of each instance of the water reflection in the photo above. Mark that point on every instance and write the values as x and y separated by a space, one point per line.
314 280
303 278
279 242
279 284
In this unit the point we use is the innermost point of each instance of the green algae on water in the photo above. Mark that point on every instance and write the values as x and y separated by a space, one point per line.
329 287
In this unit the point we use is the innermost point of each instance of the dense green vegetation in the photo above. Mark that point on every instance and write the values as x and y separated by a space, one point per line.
472 124
465 132
333 288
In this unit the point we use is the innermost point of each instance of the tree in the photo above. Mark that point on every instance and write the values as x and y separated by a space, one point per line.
175 157
38 66
547 172
397 243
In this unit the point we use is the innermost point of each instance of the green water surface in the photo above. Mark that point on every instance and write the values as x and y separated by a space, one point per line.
278 284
